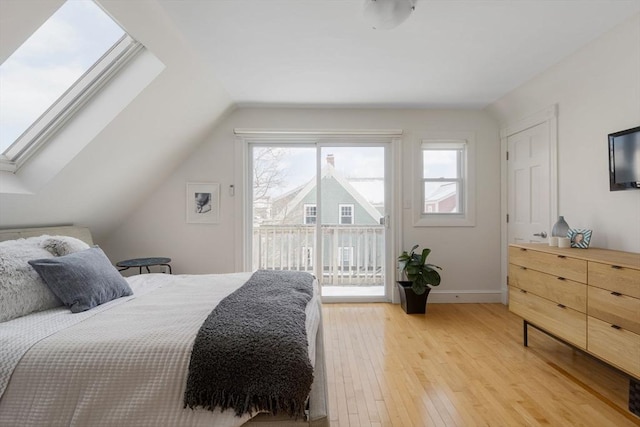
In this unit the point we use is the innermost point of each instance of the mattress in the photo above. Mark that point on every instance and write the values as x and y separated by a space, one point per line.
124 364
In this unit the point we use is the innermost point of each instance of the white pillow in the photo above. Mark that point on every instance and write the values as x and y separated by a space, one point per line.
63 245
22 291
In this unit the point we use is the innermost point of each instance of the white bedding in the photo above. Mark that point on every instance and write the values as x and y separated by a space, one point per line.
126 364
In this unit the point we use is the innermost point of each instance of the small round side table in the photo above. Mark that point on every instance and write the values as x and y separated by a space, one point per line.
144 262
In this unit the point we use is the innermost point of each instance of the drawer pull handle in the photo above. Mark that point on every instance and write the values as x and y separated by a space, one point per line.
562 306
616 294
523 250
616 327
523 291
523 268
616 267
561 278
561 256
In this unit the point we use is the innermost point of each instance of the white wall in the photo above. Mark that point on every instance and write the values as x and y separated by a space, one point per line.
598 92
19 19
470 256
138 149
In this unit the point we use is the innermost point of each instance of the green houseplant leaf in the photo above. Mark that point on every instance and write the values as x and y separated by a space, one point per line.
415 267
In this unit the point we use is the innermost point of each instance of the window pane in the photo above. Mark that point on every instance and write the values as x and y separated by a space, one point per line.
441 197
440 163
346 214
310 214
41 70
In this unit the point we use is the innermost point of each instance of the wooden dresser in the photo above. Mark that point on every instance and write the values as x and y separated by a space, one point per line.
589 298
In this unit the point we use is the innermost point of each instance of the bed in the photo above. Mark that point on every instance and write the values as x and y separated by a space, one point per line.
126 361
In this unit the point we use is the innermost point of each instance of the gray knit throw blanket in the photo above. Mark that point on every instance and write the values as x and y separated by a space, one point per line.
251 353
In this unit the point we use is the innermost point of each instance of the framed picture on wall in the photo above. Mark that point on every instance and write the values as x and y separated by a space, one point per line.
203 203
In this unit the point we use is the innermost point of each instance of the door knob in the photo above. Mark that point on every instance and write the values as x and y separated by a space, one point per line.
542 234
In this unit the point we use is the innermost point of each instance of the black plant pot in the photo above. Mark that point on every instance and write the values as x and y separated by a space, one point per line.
411 302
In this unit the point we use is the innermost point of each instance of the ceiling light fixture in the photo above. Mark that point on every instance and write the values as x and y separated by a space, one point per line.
387 14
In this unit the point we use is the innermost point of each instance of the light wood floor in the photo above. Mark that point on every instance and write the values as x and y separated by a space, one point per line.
461 365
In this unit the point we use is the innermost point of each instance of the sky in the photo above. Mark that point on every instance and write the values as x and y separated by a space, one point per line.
299 167
49 62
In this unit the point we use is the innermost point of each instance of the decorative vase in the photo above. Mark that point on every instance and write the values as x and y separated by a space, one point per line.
560 228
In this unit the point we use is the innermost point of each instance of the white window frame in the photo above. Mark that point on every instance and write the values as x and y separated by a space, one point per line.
304 213
69 103
459 179
464 141
340 216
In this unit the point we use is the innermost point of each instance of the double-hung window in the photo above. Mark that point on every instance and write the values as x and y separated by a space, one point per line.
346 214
54 73
310 213
445 193
443 177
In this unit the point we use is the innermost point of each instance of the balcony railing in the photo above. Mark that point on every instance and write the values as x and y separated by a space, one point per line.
352 255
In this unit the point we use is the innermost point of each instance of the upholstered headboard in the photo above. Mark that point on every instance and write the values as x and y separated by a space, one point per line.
81 233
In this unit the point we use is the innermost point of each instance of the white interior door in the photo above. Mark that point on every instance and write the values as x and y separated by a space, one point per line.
529 179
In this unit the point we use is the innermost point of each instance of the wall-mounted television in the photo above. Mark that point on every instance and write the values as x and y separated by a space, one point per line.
624 160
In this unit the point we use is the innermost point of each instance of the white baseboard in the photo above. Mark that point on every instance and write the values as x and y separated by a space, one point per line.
437 297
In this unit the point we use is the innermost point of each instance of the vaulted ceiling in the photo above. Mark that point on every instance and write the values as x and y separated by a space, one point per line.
220 54
463 53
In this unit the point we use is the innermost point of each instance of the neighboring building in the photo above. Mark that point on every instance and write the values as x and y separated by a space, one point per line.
341 203
443 200
353 239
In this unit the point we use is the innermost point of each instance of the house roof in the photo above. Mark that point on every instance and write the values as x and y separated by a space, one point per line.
328 171
444 191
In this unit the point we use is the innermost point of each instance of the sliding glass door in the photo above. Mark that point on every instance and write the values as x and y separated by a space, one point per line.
283 222
321 208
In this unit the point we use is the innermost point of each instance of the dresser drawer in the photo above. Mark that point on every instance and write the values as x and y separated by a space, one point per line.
619 279
615 308
563 322
558 265
618 347
554 288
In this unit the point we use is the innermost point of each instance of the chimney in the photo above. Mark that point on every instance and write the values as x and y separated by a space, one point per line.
330 160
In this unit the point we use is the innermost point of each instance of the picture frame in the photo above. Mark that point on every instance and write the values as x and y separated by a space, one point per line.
203 203
580 238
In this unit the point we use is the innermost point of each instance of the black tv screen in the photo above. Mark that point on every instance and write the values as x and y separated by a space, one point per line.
624 160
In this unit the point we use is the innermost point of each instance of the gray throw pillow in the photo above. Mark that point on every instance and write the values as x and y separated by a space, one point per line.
82 280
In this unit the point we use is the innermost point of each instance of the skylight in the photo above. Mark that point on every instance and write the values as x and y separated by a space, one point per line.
52 73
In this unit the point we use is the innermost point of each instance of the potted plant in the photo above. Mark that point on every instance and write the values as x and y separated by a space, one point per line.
420 276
